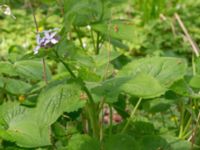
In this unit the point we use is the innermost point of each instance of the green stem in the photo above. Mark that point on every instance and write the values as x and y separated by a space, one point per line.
132 115
79 37
93 40
187 126
97 45
182 122
193 65
111 120
90 105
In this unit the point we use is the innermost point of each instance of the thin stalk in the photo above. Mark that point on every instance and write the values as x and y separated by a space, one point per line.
175 121
79 37
182 122
97 44
194 132
90 105
44 71
187 126
111 120
93 40
37 30
193 65
163 120
132 115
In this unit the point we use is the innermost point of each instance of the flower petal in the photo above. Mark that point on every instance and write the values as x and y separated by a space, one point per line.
36 50
54 41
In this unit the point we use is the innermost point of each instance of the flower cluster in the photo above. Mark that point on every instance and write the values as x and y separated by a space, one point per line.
46 39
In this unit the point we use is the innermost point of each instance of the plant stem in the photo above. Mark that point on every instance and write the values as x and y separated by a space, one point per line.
93 40
182 121
91 107
111 120
79 37
193 65
44 71
132 115
98 42
37 30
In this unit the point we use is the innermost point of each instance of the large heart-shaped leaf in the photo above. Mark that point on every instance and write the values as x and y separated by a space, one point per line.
164 69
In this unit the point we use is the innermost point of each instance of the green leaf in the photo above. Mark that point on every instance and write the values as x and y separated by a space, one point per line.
88 11
159 105
83 142
19 124
153 142
104 56
121 142
7 68
145 78
195 81
54 101
144 86
178 144
164 69
119 29
182 88
16 86
110 89
32 69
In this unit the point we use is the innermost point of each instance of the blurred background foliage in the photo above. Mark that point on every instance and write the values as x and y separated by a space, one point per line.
156 35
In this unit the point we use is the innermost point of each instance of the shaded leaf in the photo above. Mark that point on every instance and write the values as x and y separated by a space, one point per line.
121 142
83 142
195 81
16 86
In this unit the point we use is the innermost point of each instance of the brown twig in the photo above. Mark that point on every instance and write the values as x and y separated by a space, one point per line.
189 38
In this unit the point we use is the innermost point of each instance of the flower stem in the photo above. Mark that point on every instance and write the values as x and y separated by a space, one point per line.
132 115
37 30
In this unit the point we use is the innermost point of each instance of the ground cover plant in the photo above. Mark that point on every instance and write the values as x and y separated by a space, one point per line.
99 74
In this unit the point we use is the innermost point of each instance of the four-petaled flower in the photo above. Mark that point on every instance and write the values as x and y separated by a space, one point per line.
46 39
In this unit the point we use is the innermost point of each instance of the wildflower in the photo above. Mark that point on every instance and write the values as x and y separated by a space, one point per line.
46 39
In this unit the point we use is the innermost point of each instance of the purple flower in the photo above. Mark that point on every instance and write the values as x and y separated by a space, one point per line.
46 39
